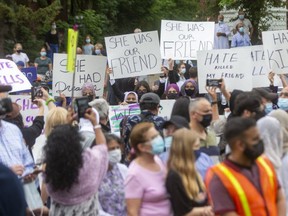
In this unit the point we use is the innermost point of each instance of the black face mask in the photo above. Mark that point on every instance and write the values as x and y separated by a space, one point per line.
18 51
255 151
172 95
130 102
90 98
189 92
140 94
206 120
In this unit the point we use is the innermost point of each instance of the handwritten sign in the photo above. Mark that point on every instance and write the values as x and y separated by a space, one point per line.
11 75
30 73
230 64
181 40
88 68
28 110
117 113
275 45
134 54
167 108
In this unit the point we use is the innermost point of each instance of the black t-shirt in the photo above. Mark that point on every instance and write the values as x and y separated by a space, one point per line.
52 38
180 201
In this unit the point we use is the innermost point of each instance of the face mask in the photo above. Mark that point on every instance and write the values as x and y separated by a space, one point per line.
157 145
220 21
130 102
53 26
168 142
43 53
90 98
189 92
18 51
140 94
177 62
241 17
172 95
241 29
206 120
183 70
255 151
97 52
283 104
268 108
88 40
114 156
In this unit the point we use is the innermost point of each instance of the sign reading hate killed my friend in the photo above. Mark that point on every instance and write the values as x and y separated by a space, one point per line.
275 45
229 64
181 40
133 55
88 68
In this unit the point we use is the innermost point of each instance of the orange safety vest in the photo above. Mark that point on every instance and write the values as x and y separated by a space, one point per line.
247 199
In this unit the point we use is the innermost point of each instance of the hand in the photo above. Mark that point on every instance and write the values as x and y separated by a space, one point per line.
124 103
171 63
39 103
222 86
18 169
219 34
109 70
91 115
207 211
212 92
155 87
45 94
62 96
271 77
71 116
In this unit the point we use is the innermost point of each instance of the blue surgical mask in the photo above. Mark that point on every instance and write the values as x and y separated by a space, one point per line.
177 62
268 108
168 142
220 21
88 40
97 52
241 17
43 53
283 104
183 70
157 145
241 29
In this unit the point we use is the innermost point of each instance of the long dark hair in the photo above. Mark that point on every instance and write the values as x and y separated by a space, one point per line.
63 157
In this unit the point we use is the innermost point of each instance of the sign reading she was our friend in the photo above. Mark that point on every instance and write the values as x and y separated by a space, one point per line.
88 68
275 45
133 55
230 64
28 110
181 40
117 114
11 75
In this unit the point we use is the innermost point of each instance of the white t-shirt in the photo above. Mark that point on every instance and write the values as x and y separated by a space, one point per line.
20 57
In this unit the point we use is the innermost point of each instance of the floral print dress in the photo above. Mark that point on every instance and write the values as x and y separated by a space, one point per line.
111 193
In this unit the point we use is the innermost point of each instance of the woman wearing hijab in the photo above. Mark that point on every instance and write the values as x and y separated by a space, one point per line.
189 88
172 91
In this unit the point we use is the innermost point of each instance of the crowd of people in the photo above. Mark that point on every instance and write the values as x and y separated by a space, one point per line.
219 153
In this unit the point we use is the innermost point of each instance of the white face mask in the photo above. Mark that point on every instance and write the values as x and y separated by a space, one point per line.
114 156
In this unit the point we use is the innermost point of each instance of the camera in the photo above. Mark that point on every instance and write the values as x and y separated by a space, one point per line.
5 106
80 106
214 82
36 91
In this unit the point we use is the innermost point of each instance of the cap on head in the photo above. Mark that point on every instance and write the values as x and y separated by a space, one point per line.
178 122
20 63
151 98
5 88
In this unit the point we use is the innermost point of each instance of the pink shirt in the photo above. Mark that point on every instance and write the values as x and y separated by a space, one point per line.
91 174
150 187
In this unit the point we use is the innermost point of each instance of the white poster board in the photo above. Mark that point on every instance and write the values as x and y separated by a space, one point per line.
275 45
230 64
181 40
11 75
167 108
133 55
89 68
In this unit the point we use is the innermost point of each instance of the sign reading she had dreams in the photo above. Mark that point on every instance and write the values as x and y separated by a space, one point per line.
275 45
181 40
229 64
133 55
88 68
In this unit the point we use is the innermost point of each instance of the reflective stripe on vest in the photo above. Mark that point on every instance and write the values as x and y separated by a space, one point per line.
238 189
267 169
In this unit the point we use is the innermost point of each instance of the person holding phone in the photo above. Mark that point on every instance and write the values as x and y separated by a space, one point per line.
73 175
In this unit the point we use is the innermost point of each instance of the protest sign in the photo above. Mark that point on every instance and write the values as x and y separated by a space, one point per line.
230 64
88 68
11 75
28 110
133 55
30 73
181 40
167 108
275 45
117 113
